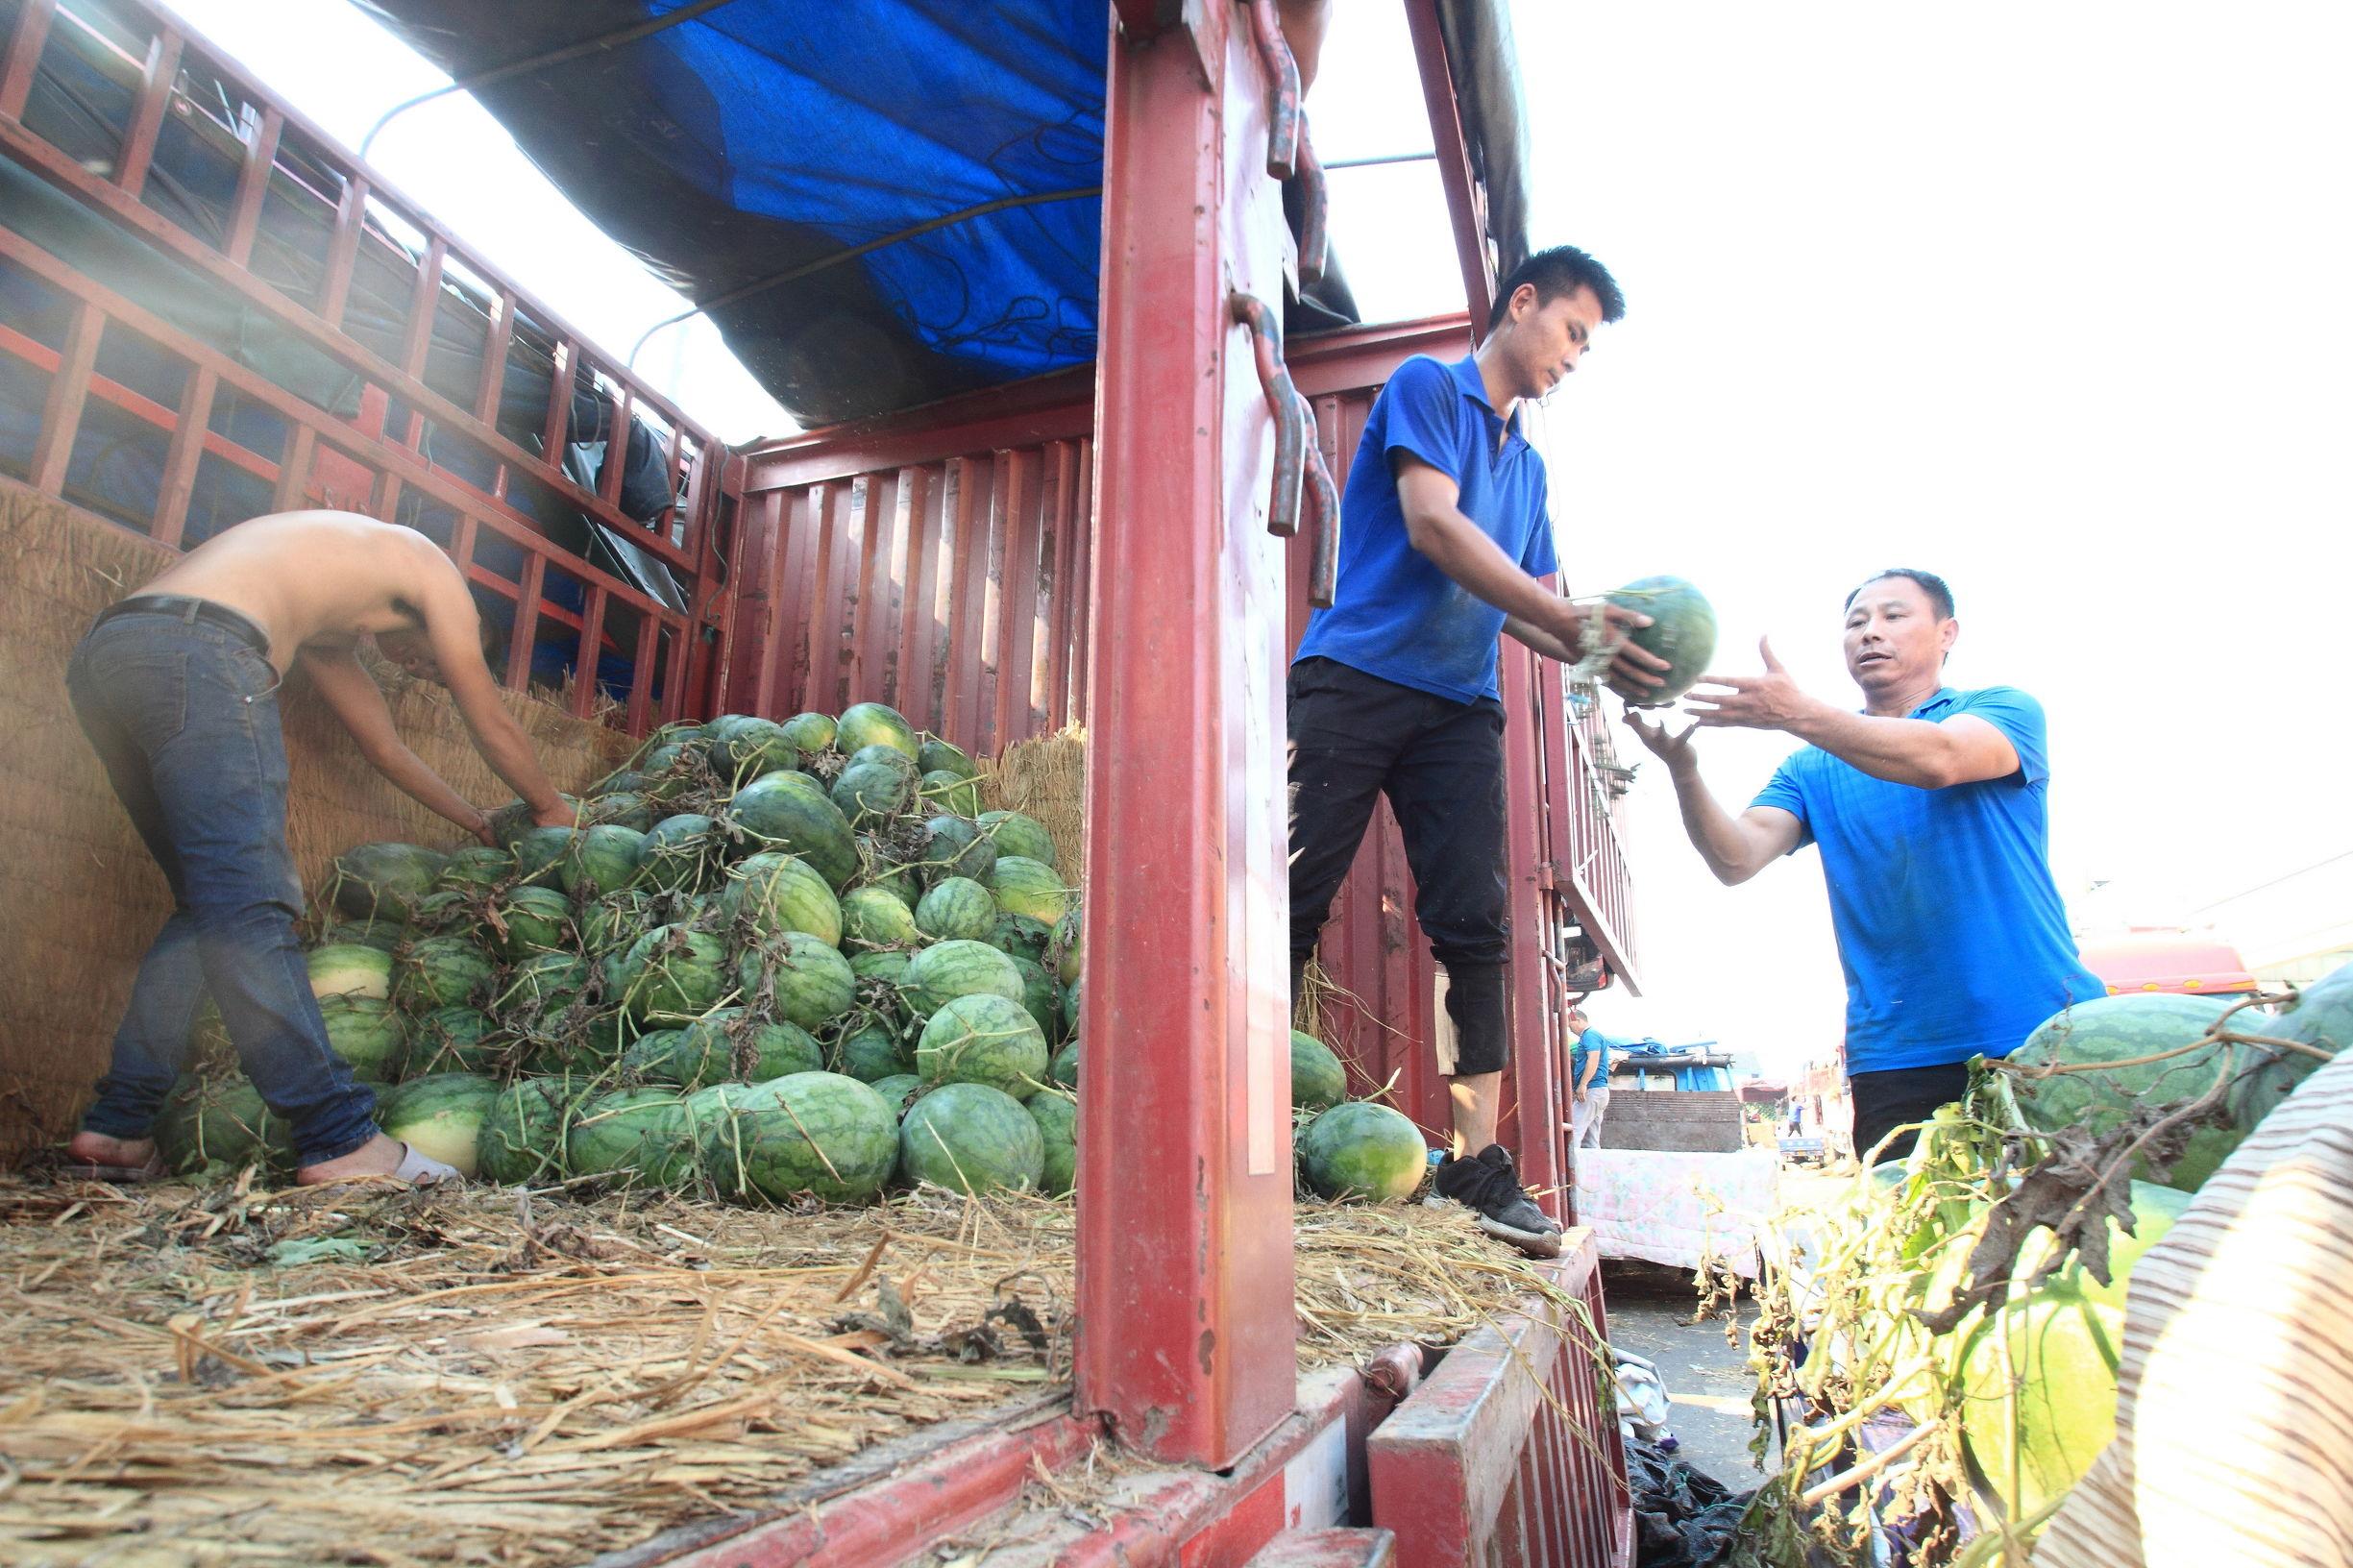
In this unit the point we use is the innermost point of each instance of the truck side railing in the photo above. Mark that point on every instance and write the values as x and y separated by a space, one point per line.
214 311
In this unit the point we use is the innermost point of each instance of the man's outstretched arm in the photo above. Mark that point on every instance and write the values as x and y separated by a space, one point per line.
346 686
453 628
1735 847
1927 753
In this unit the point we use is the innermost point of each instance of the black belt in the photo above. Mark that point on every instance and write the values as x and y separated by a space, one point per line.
236 624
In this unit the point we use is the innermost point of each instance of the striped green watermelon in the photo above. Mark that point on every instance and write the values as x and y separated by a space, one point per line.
2043 1407
898 1091
384 879
946 971
350 969
936 757
1017 834
814 1135
944 791
1021 936
972 1139
868 792
884 967
602 859
1682 631
369 1035
956 909
873 918
1069 1005
1361 1150
384 934
1057 1117
1063 954
524 1135
476 868
770 893
742 748
884 757
439 1116
208 1122
870 1052
540 851
454 1040
509 823
527 920
955 848
1022 886
724 1044
792 812
617 919
539 989
1041 997
1318 1081
1063 1072
440 971
618 808
810 731
983 1039
871 723
798 978
639 1137
682 854
673 974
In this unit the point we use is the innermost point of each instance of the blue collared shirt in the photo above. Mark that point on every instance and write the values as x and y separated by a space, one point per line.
1950 930
1396 615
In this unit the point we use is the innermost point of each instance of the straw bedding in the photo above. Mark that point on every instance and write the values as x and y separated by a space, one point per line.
368 1375
83 898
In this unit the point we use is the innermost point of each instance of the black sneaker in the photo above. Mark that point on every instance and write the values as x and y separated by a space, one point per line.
1490 1187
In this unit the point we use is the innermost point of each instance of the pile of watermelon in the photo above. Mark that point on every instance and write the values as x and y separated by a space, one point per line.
776 962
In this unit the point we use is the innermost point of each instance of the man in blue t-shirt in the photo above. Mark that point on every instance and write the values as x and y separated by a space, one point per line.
1588 1081
1928 807
1447 537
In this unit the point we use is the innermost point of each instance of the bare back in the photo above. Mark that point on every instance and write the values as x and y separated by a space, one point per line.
316 580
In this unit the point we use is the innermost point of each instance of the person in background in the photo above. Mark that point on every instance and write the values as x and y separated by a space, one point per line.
1931 813
1588 1081
176 689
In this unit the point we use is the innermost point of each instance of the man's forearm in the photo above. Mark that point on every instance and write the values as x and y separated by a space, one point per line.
1714 832
1915 751
1455 545
409 772
503 746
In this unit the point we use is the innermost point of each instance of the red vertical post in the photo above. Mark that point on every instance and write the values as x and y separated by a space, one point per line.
147 118
1535 1127
181 460
61 410
253 187
23 56
1185 1262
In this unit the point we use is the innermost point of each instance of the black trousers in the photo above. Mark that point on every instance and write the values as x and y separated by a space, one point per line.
1353 738
1897 1098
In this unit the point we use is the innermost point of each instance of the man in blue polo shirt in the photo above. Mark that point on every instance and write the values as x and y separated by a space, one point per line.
1447 535
1930 810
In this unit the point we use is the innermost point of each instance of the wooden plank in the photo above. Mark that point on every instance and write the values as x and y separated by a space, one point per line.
890 661
828 611
987 606
500 337
519 646
62 409
1016 580
343 250
641 675
920 495
615 464
182 457
1068 514
871 628
294 469
24 53
1082 620
584 661
559 404
801 540
967 582
424 303
147 116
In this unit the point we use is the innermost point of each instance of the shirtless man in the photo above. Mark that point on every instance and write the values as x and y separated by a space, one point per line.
176 689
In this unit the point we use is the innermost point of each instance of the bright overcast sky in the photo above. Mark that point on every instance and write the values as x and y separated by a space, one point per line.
2047 298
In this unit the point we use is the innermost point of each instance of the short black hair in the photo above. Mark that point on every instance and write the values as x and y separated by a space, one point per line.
1940 596
1564 269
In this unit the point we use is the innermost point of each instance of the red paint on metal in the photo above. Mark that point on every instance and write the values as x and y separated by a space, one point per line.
1185 1340
1243 1525
1017 636
1462 200
1329 1548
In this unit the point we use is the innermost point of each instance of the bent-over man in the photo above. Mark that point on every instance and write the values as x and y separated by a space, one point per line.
176 689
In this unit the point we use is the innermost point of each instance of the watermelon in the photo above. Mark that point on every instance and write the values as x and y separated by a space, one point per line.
801 979
513 820
1318 1082
744 747
1041 997
440 971
872 918
220 1122
618 808
674 770
524 1134
529 920
384 935
983 1039
868 792
1069 1005
1361 1150
722 1044
2046 1409
642 1137
792 812
620 781
1682 631
904 883
810 731
2320 1016
587 1048
955 848
447 911
2121 1028
898 1090
602 859
671 974
946 971
368 1034
454 1040
1056 1119
807 1134
1022 886
476 868
871 723
770 893
1021 936
539 853
350 969
539 989
936 757
2154 1209
384 879
617 919
1063 954
956 909
681 855
944 791
1016 834
884 757
439 1116
884 967
1063 1072
871 1052
970 1138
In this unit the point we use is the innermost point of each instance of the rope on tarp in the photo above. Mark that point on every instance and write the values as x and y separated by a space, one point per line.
613 39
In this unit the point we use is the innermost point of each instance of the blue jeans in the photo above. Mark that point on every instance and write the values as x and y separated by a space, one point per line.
183 714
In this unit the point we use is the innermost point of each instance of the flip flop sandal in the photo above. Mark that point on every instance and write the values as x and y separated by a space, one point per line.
74 1171
421 1170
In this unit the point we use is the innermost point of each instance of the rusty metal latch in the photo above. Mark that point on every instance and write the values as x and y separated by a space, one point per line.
1300 471
1288 153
